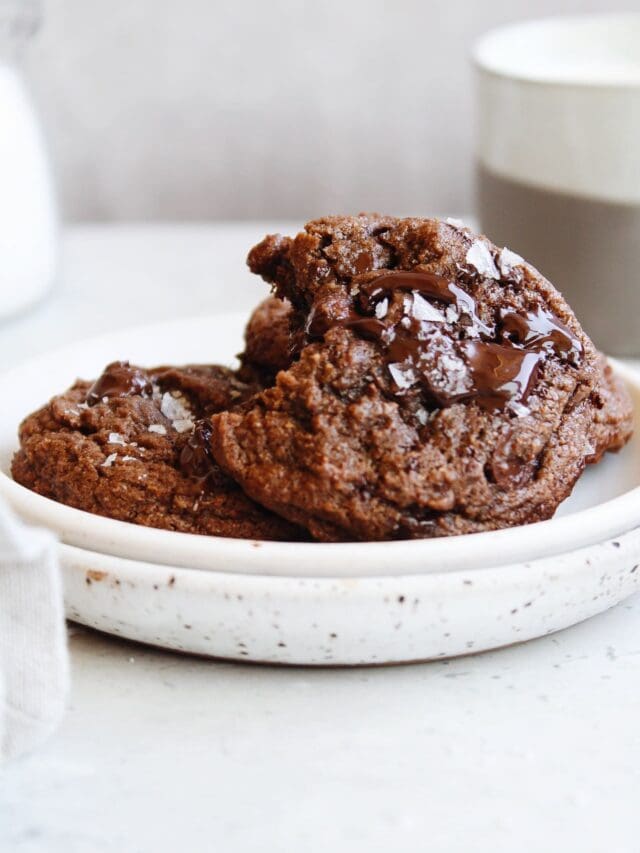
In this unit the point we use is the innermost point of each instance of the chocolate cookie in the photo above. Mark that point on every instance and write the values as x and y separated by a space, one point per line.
612 423
269 346
134 446
441 386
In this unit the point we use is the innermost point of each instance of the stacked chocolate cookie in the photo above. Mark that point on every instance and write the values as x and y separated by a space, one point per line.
408 379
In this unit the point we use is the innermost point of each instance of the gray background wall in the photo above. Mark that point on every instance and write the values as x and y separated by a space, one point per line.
199 109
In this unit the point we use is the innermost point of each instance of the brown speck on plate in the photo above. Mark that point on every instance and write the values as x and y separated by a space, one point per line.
95 575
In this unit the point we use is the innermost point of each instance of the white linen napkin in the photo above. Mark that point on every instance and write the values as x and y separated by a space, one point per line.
34 669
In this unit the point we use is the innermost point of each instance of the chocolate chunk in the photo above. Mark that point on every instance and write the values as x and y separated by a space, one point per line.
119 379
196 459
541 331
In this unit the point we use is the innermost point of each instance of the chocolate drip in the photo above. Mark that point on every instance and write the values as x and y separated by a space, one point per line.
118 379
497 366
367 327
540 330
426 284
501 373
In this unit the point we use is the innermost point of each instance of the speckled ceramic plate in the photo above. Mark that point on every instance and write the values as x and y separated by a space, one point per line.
346 621
605 503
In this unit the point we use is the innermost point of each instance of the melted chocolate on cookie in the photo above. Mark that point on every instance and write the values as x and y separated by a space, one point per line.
119 379
196 459
495 364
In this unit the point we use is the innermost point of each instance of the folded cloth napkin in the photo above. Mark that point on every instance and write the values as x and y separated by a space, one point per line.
34 670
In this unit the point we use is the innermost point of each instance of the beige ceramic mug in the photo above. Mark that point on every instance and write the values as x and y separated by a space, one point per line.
558 161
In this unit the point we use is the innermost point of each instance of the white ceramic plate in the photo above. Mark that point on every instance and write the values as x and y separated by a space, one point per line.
346 621
605 503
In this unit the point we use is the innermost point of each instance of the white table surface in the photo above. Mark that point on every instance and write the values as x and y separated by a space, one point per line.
535 747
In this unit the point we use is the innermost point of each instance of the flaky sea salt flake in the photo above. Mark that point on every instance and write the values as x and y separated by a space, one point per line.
183 425
381 309
507 260
173 407
159 429
116 438
481 259
453 375
108 462
423 416
424 310
518 409
404 377
451 314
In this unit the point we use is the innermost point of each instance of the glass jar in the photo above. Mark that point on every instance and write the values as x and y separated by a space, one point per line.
28 218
